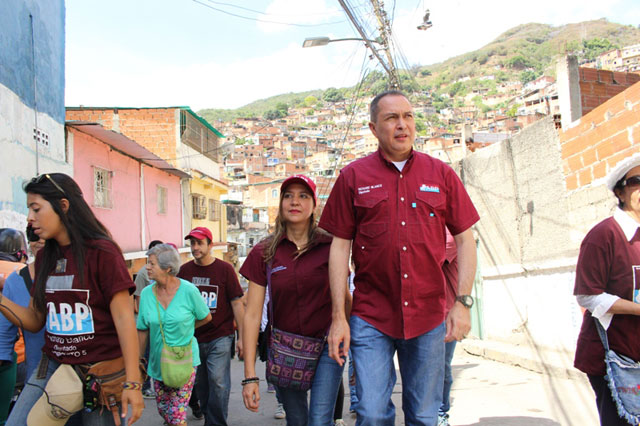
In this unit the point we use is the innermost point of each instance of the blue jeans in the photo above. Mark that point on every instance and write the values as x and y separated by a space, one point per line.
449 349
421 362
324 392
213 380
353 395
30 394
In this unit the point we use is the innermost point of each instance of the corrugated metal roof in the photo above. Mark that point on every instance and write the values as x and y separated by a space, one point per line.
184 108
126 146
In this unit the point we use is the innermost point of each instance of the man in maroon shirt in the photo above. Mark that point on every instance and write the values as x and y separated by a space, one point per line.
391 209
218 283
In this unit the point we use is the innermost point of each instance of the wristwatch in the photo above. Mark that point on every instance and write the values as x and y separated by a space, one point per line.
466 300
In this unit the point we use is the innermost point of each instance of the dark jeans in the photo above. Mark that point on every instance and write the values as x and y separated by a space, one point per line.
607 409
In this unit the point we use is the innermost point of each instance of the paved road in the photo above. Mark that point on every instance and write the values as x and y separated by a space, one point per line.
485 393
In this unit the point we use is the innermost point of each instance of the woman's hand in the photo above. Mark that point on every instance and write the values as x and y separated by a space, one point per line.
251 396
133 398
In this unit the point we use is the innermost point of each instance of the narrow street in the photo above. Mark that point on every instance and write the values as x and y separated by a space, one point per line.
485 393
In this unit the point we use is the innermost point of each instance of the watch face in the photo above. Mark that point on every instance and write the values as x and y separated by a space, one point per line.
466 300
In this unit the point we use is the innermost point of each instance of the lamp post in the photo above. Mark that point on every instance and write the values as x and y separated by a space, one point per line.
323 41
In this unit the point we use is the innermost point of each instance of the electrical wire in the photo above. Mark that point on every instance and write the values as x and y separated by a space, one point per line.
261 12
264 21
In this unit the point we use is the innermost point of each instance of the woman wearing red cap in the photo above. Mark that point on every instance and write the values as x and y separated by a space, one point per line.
298 254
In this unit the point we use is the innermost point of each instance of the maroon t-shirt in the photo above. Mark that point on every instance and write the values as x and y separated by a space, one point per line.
608 263
218 284
397 223
300 287
80 327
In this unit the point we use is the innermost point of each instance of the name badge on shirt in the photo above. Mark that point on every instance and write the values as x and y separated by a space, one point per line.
429 188
61 266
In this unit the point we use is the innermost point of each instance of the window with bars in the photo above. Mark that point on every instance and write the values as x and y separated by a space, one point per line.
161 197
102 188
215 210
199 206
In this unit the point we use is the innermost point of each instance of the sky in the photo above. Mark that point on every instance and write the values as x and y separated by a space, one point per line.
228 53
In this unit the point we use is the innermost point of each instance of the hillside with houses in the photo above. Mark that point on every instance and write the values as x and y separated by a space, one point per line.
318 133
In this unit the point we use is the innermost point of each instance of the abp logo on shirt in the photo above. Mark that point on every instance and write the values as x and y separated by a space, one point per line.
210 295
69 313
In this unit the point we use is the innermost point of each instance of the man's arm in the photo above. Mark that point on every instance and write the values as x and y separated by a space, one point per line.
238 313
338 279
458 320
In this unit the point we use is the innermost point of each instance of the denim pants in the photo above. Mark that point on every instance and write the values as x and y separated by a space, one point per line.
449 349
213 380
421 361
353 396
30 394
324 392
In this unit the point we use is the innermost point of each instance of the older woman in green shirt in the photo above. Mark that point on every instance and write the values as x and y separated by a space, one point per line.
181 308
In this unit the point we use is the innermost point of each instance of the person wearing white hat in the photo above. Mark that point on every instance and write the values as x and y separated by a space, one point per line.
607 287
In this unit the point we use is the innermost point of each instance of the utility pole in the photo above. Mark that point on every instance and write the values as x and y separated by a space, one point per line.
385 34
385 31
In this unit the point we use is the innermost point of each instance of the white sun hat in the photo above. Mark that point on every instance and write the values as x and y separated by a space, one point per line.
621 169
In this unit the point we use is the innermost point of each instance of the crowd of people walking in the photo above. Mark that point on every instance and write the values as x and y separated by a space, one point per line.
386 271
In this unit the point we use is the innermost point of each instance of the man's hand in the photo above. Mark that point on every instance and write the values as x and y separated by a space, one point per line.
339 339
251 396
458 323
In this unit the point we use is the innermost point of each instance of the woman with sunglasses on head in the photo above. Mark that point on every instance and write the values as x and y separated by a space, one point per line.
295 259
608 288
82 293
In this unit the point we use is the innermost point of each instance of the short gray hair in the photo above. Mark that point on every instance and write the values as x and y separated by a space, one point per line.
168 257
373 108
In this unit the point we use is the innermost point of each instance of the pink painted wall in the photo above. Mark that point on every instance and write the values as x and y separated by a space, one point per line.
123 219
166 227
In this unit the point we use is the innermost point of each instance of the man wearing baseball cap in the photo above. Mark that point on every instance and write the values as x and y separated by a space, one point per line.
219 286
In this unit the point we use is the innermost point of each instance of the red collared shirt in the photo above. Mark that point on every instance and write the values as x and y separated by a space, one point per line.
300 287
397 223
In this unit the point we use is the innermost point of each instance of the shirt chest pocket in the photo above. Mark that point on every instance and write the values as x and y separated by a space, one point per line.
427 216
372 210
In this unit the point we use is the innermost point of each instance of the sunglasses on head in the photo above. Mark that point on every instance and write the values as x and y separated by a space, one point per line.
42 177
631 181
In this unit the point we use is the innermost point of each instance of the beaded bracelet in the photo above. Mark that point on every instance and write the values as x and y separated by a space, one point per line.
250 380
131 386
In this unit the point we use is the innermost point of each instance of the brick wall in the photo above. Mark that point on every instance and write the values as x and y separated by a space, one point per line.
598 86
153 128
602 137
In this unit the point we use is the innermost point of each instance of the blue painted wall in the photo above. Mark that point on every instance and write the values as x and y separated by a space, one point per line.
16 53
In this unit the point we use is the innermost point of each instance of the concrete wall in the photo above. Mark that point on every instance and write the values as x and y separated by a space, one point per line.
31 96
538 194
526 255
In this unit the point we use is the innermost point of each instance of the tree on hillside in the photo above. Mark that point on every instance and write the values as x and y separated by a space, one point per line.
528 75
332 95
518 62
310 101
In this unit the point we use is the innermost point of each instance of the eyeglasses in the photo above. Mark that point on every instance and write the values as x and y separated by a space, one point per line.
39 179
631 181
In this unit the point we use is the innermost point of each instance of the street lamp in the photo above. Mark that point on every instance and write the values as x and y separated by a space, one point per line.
323 41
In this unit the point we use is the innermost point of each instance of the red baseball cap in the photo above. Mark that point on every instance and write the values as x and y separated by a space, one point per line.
200 233
302 179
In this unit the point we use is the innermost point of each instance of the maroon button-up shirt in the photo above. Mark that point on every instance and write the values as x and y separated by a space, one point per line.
300 287
397 223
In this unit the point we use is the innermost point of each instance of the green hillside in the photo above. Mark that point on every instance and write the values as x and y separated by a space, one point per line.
522 53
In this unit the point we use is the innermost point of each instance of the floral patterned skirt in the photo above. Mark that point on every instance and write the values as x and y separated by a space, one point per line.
172 402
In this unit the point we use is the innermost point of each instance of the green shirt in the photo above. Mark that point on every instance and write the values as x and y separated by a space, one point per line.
178 322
